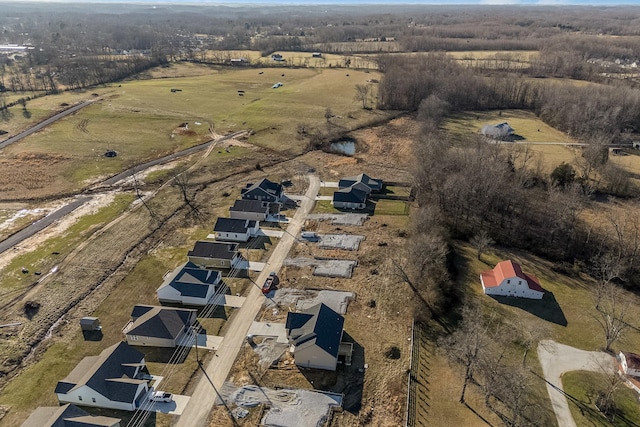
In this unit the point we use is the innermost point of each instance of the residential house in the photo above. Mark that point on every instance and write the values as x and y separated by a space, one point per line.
236 230
315 335
349 198
190 285
629 368
249 209
67 416
508 279
115 379
206 254
629 364
374 185
263 190
501 131
156 326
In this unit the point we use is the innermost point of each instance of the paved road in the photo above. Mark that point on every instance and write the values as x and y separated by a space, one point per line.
197 411
165 159
556 359
40 225
44 123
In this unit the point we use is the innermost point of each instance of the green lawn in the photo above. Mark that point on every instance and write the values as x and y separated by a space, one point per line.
582 388
391 207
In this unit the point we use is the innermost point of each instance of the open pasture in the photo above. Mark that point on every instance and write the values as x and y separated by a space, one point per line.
140 119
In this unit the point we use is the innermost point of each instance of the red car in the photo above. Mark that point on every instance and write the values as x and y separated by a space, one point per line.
270 283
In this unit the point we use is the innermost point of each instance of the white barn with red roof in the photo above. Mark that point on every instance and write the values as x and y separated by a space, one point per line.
507 279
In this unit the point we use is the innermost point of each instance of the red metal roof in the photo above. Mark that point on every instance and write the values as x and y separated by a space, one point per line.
506 270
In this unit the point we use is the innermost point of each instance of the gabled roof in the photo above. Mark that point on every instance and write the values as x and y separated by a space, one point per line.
255 206
160 322
191 280
233 225
218 250
506 270
372 183
351 195
633 360
108 373
319 323
67 416
269 187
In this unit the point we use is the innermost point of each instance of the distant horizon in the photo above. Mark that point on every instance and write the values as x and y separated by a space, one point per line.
592 3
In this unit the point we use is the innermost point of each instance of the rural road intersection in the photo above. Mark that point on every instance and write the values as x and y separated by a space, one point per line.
216 372
556 359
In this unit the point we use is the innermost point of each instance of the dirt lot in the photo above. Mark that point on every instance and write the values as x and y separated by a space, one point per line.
88 274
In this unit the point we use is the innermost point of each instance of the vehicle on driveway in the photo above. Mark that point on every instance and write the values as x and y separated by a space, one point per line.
161 396
270 283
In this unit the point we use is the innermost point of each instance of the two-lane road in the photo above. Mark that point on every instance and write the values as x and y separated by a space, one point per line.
197 411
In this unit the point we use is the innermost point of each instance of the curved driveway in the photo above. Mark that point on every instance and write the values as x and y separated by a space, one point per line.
216 372
556 359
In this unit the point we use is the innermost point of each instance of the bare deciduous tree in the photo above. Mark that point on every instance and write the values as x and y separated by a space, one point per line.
181 181
362 94
612 314
481 241
468 342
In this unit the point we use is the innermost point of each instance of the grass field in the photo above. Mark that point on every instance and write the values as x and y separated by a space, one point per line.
583 387
139 119
564 314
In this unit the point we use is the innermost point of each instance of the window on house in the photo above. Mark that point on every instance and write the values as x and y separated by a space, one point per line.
508 281
80 398
93 399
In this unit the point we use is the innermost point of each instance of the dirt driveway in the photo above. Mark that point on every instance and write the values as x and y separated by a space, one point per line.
556 359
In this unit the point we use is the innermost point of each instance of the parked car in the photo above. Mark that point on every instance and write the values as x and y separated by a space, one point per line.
270 283
161 396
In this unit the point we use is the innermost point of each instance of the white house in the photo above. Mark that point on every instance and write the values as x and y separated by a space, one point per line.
501 131
115 379
236 230
189 285
315 335
67 416
629 364
156 326
507 279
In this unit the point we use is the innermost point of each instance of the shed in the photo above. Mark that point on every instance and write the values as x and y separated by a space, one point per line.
90 324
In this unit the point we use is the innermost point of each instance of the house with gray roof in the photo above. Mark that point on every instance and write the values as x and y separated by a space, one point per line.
374 185
189 285
156 326
67 416
501 131
235 230
115 379
349 198
264 190
249 209
207 254
315 335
